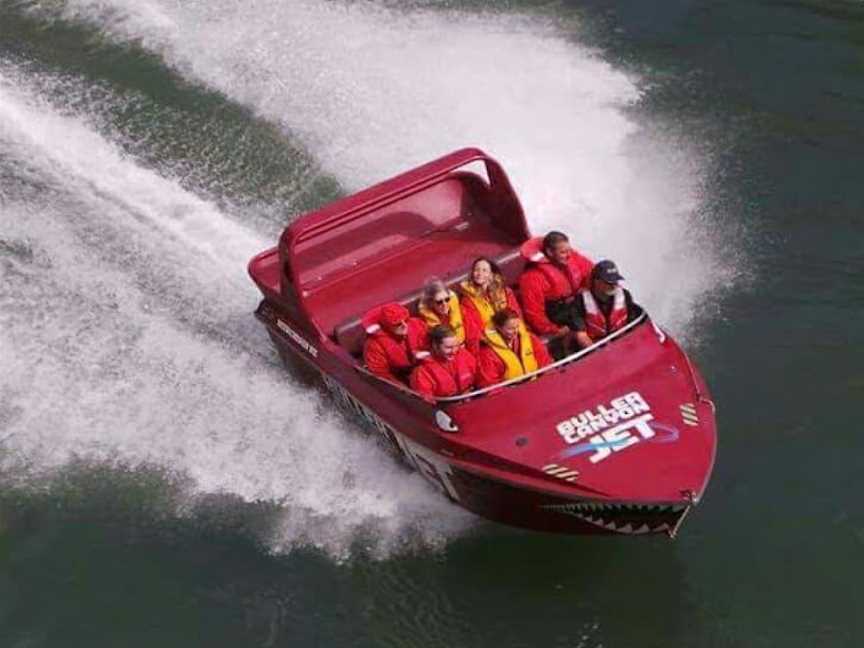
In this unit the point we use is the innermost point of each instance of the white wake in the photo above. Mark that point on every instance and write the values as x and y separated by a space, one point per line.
147 350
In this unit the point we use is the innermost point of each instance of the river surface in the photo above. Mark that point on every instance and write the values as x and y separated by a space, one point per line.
164 482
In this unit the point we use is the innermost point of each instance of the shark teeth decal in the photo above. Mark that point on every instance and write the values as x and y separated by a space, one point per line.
619 517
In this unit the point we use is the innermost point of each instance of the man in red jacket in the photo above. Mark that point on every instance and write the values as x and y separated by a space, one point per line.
394 342
449 370
552 279
509 351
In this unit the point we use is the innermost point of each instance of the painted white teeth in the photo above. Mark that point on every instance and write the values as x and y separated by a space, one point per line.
599 514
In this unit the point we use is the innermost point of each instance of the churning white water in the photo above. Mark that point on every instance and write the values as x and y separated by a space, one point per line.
126 336
144 348
372 91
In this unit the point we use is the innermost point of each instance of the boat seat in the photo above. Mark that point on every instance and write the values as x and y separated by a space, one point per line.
350 335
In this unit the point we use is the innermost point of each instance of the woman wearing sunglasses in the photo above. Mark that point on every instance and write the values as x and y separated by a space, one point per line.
440 305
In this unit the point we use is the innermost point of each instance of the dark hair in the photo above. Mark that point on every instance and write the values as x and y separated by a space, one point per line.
439 333
501 317
552 239
496 270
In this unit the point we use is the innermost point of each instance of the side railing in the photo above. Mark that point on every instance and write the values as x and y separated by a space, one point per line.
555 365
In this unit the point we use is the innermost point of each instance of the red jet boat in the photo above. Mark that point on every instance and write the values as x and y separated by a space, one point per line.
618 438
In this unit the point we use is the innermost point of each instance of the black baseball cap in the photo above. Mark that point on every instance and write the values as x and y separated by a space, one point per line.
607 271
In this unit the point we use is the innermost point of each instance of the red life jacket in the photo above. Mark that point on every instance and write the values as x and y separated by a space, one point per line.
599 325
564 281
439 378
402 353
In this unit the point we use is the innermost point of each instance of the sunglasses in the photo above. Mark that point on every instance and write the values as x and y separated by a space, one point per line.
442 301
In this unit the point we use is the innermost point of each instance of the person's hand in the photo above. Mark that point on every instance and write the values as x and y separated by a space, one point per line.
583 339
563 330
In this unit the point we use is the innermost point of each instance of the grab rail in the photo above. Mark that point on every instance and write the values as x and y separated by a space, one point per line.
554 365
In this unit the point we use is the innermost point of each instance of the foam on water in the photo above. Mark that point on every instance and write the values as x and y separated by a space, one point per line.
370 91
98 364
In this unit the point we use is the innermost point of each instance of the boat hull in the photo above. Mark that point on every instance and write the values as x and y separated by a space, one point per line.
488 495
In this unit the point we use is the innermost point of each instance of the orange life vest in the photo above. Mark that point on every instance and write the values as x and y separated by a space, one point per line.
519 365
486 306
455 322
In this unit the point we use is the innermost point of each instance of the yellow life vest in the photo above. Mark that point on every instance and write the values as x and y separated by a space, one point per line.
484 306
431 317
516 366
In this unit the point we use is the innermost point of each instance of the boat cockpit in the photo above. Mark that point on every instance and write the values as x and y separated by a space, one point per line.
351 335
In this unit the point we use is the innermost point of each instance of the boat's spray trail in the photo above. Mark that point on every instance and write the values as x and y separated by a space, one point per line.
369 91
372 91
111 279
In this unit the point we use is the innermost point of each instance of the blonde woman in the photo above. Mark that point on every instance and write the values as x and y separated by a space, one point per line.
483 294
440 305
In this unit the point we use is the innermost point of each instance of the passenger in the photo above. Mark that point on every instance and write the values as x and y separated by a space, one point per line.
441 306
549 286
448 370
509 350
394 342
483 294
606 307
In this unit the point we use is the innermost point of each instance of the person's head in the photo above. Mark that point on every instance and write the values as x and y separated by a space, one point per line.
506 322
605 278
485 272
394 319
556 247
437 297
443 341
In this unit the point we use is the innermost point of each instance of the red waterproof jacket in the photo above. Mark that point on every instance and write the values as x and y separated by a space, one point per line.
474 324
491 368
436 377
390 357
544 281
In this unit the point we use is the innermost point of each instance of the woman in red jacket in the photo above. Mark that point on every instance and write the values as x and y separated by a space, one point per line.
448 370
394 342
483 293
554 276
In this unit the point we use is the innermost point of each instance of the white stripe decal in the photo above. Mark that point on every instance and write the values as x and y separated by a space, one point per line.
555 471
